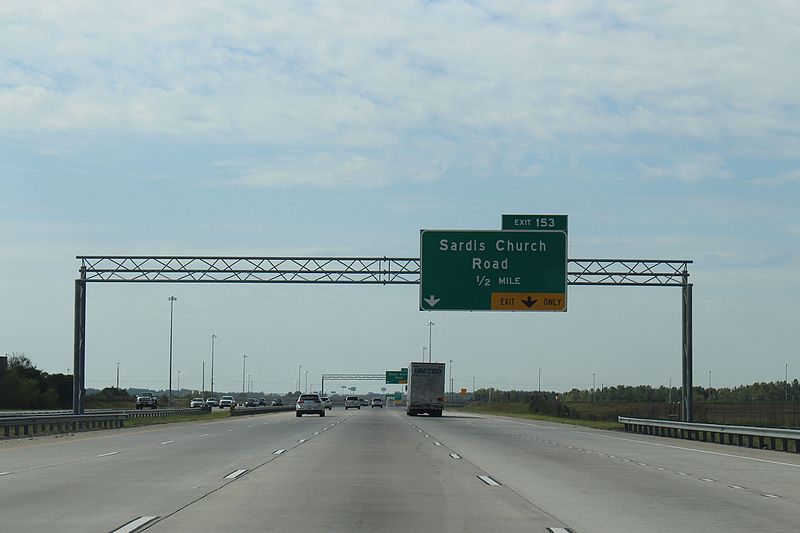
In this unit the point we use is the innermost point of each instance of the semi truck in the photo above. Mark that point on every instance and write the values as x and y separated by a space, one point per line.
425 389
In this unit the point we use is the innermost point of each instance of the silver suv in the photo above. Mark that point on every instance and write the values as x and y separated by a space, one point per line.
352 401
309 404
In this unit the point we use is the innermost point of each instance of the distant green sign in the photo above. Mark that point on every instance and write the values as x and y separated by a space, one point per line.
535 222
397 377
493 270
399 395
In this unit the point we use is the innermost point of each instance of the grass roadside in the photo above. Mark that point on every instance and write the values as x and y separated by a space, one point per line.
598 424
136 422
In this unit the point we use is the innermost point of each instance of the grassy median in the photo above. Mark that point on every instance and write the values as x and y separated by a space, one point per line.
520 411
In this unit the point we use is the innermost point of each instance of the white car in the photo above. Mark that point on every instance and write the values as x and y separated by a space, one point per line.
352 401
212 402
309 404
227 401
377 402
327 402
197 402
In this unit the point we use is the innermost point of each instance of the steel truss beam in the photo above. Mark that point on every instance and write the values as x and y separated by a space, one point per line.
350 377
360 270
353 270
354 377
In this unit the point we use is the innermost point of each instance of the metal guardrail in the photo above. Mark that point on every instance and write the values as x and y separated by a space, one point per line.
25 426
750 436
241 411
153 413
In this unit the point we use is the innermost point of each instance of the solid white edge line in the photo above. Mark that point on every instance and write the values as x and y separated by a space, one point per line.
236 473
107 454
278 452
455 456
489 481
683 448
135 524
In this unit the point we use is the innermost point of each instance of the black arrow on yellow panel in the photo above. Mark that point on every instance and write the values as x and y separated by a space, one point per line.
529 302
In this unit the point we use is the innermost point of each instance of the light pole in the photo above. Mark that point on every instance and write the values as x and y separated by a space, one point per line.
424 349
473 386
786 382
306 388
203 392
594 382
298 378
430 335
244 366
212 364
451 380
179 382
540 380
117 375
172 301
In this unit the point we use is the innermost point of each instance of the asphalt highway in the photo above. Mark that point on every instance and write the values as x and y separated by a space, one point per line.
380 470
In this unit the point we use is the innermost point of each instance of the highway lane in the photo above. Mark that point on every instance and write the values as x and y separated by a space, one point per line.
98 481
603 481
375 473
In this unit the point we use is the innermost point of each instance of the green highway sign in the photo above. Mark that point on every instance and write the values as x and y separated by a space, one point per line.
503 270
397 376
398 395
535 222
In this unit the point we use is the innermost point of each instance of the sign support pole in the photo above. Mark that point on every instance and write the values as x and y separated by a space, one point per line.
79 348
687 403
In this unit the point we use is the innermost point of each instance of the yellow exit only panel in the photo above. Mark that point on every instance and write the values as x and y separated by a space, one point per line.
529 301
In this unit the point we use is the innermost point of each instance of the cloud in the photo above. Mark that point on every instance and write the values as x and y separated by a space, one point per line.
692 170
783 178
283 72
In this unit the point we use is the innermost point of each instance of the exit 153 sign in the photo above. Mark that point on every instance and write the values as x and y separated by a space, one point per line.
503 270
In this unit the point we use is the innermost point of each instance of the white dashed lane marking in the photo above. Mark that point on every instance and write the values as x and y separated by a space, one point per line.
4 473
168 442
133 525
489 481
278 452
107 454
455 456
236 473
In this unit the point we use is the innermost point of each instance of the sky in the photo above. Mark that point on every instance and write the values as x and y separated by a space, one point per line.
664 130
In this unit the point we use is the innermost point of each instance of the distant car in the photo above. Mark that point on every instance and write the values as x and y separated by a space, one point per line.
309 404
363 403
212 402
378 402
327 402
197 402
251 402
351 401
228 401
262 401
277 402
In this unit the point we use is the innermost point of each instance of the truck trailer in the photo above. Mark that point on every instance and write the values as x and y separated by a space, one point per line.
425 389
